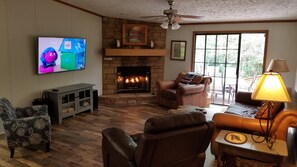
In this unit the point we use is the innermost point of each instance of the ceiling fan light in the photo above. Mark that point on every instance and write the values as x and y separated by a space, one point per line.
164 25
175 26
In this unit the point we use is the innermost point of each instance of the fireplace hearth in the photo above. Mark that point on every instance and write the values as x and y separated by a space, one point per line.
133 79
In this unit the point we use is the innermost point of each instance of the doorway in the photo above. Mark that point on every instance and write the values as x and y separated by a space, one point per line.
233 60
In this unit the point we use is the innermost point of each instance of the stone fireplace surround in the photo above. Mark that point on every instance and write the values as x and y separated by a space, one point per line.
110 95
110 71
111 30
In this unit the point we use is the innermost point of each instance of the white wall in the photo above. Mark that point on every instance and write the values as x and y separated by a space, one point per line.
282 42
21 23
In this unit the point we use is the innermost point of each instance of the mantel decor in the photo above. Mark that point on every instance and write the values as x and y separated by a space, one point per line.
134 34
178 50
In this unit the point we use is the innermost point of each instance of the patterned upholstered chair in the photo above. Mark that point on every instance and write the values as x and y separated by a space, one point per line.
25 126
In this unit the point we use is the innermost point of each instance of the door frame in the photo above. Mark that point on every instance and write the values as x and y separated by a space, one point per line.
265 32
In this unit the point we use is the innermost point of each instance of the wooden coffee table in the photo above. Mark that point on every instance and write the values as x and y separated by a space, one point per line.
251 150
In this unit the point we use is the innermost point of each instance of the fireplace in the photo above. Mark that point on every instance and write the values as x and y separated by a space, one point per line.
133 79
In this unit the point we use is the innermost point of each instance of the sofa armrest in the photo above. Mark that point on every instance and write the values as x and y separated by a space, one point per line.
206 80
118 142
225 121
240 123
37 110
282 121
167 84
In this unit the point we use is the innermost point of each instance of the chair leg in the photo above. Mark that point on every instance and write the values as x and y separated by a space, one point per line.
11 152
47 146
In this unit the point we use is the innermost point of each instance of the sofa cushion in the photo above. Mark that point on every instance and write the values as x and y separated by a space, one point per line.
169 94
242 109
263 111
172 122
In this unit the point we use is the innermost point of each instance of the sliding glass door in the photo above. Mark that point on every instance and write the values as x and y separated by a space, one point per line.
229 59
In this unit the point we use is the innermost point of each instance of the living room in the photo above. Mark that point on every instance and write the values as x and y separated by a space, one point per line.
23 21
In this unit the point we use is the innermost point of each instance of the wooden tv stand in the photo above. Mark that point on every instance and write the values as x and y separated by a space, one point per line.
70 100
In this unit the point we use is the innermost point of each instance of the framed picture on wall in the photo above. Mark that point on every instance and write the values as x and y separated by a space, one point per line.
134 34
178 50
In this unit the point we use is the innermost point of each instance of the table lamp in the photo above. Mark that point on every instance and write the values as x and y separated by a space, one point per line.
277 65
270 89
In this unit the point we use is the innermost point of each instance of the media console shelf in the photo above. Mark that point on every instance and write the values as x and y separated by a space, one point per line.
70 100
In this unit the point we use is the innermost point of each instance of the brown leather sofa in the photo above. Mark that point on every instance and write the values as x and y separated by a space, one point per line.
186 89
243 116
176 140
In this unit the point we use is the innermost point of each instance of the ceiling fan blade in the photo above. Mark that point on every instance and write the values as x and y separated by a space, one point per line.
190 16
172 15
178 19
153 16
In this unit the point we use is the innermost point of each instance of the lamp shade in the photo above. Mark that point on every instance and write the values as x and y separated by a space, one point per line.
278 65
175 26
170 24
164 25
271 88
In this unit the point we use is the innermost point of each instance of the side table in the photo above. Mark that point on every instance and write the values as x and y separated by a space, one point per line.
251 150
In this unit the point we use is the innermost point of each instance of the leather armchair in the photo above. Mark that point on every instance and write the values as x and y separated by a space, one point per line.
25 126
246 122
176 140
173 93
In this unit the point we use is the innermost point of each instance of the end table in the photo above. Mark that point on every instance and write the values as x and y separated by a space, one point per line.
251 150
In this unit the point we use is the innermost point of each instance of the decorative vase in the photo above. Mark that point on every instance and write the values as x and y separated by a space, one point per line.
118 43
152 44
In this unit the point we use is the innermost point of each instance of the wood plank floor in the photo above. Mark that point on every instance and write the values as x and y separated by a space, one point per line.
77 141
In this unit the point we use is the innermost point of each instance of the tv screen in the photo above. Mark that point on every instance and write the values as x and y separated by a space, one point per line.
61 54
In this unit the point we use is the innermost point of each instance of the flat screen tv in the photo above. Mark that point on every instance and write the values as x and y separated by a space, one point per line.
57 54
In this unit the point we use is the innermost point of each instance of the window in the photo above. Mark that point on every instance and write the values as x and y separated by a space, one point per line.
233 60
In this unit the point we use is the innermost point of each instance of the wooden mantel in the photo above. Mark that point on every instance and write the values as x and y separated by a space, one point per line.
135 52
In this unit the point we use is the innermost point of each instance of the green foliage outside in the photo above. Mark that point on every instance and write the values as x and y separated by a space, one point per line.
252 52
221 49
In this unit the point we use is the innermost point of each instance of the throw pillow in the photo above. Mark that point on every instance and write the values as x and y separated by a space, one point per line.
263 111
197 79
187 78
179 77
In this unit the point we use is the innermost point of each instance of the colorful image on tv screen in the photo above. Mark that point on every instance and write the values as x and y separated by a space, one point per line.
61 54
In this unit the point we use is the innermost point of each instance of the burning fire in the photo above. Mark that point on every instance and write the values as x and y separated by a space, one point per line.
132 80
120 79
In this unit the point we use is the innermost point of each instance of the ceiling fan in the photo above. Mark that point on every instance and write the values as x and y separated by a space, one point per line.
173 18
